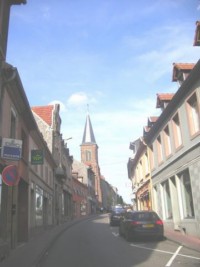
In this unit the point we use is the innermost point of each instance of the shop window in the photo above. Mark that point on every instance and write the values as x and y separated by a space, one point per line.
167 200
177 131
39 206
186 194
193 115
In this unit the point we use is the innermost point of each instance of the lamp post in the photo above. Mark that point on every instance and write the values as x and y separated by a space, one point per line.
65 144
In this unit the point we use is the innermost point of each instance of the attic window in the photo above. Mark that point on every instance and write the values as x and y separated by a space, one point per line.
197 34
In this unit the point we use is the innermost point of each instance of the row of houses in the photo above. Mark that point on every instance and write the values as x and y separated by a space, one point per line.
41 184
165 165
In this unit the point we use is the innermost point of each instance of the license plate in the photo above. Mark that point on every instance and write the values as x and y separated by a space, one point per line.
147 225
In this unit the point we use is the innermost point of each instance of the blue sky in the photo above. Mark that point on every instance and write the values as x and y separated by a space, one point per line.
113 55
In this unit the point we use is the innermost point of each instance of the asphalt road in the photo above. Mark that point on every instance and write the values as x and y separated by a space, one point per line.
93 243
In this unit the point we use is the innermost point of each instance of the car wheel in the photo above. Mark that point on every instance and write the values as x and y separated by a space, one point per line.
127 236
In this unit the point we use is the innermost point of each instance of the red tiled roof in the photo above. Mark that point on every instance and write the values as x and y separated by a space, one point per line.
153 118
184 66
44 112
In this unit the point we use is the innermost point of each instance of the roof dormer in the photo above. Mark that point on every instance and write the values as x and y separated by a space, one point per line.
181 71
163 100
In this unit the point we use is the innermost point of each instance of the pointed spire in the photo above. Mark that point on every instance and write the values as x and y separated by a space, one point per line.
88 135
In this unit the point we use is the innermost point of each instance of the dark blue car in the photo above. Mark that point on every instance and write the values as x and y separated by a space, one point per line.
116 214
139 224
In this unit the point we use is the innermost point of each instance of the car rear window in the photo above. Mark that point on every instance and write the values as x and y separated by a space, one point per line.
118 210
145 216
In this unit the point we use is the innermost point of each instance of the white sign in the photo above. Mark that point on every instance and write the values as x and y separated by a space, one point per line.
11 149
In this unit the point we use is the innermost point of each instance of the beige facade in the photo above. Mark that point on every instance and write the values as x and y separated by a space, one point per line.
140 175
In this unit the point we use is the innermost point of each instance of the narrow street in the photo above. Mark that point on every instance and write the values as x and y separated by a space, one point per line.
93 243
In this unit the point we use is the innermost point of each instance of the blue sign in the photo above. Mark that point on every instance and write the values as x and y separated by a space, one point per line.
11 149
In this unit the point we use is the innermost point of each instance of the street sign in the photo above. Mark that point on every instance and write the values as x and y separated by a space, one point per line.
10 175
11 149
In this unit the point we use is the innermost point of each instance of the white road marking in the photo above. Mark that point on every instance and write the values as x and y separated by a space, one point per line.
115 234
173 257
166 252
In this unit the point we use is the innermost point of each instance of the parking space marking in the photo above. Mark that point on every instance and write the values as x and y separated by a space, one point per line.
173 257
115 234
166 252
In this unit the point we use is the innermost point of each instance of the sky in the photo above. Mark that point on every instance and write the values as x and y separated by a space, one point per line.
108 57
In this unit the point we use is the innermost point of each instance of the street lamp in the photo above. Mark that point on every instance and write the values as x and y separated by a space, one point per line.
65 144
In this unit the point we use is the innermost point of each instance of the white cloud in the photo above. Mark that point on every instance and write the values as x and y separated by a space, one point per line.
80 99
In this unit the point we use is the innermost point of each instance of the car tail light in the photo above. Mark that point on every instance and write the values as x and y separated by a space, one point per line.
159 222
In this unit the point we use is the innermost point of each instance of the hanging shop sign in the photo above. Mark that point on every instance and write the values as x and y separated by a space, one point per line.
10 175
37 157
11 149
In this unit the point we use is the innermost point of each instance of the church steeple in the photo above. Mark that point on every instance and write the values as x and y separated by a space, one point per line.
89 155
88 135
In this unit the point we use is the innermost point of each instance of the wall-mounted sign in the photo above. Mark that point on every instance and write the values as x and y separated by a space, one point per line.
11 149
37 157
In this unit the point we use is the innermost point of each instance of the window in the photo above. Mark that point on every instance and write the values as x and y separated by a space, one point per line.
186 194
88 155
13 124
146 166
159 149
24 146
155 198
167 142
193 115
140 170
39 206
151 156
177 131
167 200
46 174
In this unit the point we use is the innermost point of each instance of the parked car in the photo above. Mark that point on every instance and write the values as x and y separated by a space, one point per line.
116 214
138 224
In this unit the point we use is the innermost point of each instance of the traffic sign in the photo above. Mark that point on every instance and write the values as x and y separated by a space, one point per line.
10 175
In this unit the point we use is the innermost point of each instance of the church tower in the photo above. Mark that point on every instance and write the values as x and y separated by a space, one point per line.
89 155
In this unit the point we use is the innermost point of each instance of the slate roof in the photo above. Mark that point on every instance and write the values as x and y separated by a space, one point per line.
88 135
45 113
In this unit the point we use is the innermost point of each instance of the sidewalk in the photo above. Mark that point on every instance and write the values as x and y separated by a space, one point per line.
183 239
29 254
